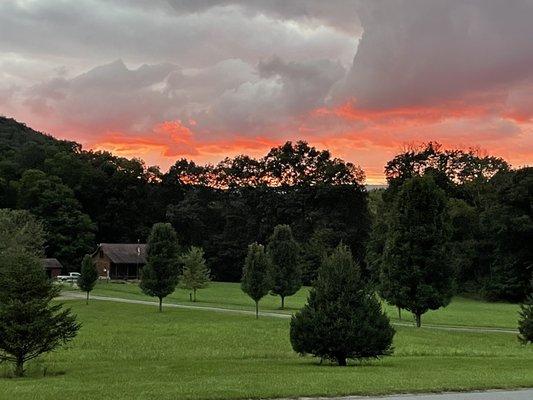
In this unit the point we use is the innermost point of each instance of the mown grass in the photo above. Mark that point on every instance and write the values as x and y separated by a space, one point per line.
461 312
129 351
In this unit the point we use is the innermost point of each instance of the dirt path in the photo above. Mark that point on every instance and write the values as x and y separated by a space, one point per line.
524 394
75 295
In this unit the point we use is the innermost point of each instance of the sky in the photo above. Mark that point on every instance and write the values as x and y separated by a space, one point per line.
209 79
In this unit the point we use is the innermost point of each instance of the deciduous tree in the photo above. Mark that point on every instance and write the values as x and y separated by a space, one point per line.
415 272
159 276
195 274
88 276
257 275
283 251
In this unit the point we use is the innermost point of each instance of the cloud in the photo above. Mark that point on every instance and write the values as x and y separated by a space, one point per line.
417 52
210 78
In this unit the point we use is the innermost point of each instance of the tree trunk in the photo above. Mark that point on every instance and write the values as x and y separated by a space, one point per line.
87 299
256 310
282 302
400 313
19 367
194 295
418 318
160 304
341 360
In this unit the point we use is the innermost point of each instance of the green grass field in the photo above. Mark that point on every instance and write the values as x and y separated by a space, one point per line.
461 312
129 351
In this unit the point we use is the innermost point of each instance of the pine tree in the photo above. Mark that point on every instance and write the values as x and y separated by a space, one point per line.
30 324
415 273
342 318
525 324
159 276
257 276
195 274
88 277
283 252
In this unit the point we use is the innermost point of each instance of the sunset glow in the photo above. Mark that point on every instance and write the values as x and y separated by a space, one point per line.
167 80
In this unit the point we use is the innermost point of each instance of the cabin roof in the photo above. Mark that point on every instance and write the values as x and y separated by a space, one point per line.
51 263
124 253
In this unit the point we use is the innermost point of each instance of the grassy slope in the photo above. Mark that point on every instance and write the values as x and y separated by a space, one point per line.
461 312
129 351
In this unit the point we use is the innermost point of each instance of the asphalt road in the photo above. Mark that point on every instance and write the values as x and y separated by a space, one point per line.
526 394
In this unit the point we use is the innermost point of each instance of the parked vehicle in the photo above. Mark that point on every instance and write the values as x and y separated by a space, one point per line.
71 277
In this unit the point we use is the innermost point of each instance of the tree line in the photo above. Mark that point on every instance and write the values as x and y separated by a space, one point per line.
87 197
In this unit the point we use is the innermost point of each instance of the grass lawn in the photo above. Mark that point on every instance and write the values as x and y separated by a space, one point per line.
129 351
461 312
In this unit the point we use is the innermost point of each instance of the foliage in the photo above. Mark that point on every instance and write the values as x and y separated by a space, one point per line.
69 230
342 319
21 228
195 274
508 225
283 252
30 324
525 324
88 276
415 273
257 274
221 208
159 277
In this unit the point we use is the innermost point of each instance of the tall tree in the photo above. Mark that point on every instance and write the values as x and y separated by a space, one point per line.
88 277
508 222
342 318
525 324
159 276
283 251
30 324
195 274
257 275
415 272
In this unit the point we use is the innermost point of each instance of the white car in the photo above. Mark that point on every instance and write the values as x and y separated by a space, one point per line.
71 277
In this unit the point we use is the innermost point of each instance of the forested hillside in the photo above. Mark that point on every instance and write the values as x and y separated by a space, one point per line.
86 197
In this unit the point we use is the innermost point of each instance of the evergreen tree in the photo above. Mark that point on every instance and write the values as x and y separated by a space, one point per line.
30 324
342 318
159 276
525 324
88 276
283 252
415 274
256 278
195 274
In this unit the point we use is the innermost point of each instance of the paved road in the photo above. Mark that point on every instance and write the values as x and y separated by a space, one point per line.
526 394
77 295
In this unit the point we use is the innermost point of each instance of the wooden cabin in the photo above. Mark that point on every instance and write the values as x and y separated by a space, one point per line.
120 260
52 267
